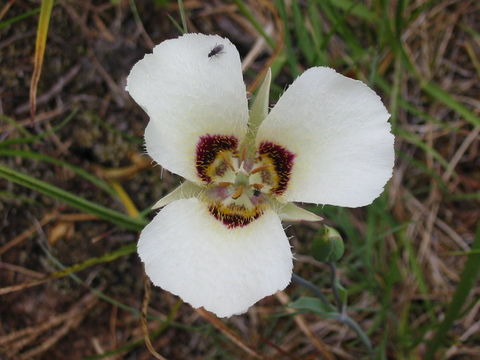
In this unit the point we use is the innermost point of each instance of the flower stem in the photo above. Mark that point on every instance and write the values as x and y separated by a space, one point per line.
352 324
311 287
336 295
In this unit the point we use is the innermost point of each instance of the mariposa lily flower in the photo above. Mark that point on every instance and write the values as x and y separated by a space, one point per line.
218 242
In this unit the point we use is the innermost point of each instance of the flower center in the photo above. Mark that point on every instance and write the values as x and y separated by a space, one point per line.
238 187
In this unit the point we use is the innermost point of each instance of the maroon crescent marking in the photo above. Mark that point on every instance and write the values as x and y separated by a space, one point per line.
207 149
282 160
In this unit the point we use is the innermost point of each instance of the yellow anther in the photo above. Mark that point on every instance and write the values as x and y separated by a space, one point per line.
260 168
238 192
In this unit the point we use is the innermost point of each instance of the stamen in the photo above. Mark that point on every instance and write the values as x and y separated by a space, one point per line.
243 155
260 168
238 192
225 183
258 186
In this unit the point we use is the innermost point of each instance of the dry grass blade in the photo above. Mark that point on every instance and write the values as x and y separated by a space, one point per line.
124 198
125 172
143 319
40 44
27 233
21 270
32 330
219 325
69 320
279 42
5 8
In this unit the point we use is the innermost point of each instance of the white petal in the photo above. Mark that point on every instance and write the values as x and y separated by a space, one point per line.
337 128
191 254
188 94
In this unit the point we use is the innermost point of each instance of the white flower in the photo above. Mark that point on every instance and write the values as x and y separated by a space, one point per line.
218 242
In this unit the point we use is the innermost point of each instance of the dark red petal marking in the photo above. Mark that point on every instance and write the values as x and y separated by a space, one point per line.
208 148
233 216
282 160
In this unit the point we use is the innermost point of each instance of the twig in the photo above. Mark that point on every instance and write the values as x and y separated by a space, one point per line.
5 8
54 90
148 40
21 270
219 325
27 233
70 319
143 319
302 324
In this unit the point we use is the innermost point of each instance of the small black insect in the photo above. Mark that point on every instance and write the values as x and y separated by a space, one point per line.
256 192
218 49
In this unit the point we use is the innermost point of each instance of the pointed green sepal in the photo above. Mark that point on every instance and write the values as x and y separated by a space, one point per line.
184 191
258 110
292 212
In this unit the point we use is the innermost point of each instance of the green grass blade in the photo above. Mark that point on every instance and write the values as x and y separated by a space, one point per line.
183 18
417 141
356 8
20 17
40 45
435 91
467 281
32 139
304 41
249 16
441 95
15 124
79 171
289 52
75 201
317 35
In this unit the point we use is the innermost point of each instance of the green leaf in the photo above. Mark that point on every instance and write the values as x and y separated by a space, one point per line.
314 305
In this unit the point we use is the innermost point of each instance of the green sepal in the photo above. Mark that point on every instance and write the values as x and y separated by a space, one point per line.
186 190
292 212
258 110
